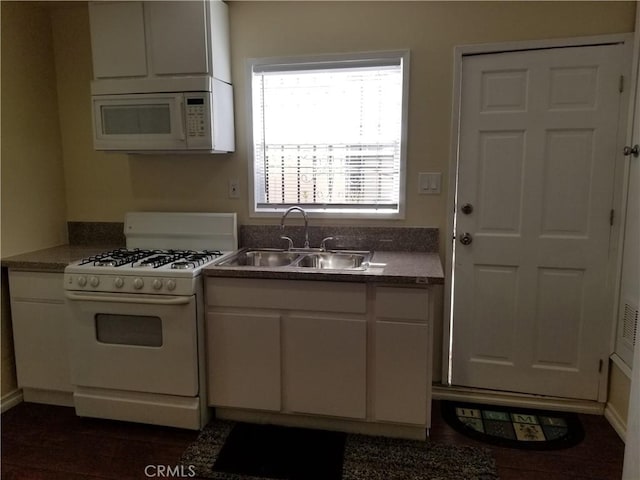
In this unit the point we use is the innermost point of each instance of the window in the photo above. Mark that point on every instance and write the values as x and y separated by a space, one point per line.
328 134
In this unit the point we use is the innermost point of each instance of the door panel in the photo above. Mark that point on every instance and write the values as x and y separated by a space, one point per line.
495 300
558 318
537 153
500 182
566 182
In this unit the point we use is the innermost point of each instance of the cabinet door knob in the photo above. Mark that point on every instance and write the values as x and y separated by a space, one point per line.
467 208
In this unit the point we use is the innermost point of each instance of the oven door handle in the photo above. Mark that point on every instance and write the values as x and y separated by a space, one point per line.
149 300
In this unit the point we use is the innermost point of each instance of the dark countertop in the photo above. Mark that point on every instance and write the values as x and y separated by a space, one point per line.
401 267
408 268
53 259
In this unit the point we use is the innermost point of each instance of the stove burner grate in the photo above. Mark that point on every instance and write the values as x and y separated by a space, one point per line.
115 258
137 258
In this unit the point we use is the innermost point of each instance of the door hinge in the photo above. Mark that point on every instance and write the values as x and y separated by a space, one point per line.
612 215
600 364
621 84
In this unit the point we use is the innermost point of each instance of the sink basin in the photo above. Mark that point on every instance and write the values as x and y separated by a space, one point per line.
261 258
334 261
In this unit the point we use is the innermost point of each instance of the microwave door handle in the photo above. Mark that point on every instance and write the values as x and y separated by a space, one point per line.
183 118
77 296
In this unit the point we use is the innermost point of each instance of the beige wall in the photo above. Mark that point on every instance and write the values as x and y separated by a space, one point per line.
33 196
429 29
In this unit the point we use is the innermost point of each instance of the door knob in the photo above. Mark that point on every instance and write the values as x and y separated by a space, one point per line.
635 150
466 239
467 208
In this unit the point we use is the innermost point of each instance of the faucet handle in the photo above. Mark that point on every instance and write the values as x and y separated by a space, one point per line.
323 243
290 246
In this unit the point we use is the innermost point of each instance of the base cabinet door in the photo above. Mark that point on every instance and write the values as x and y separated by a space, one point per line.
400 392
40 340
402 352
325 366
243 360
39 317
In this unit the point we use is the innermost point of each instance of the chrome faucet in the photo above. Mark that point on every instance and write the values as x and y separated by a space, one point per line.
306 226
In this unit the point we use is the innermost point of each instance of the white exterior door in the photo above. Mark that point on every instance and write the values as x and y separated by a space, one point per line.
537 154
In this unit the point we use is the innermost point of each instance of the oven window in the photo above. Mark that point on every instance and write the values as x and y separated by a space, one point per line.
135 330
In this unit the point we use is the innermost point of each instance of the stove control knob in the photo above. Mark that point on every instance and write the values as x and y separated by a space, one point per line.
157 284
138 283
171 284
82 281
94 281
118 282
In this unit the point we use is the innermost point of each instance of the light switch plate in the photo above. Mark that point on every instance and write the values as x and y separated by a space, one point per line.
429 183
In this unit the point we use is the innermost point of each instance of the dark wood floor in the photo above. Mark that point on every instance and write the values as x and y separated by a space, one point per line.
42 442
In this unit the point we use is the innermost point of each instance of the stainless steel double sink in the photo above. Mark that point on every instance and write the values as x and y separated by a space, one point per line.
311 259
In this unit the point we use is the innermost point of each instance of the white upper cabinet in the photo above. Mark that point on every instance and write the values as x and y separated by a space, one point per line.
158 39
177 47
117 39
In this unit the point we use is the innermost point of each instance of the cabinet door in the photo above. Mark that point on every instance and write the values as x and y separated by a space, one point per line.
243 360
325 366
39 317
401 372
117 39
177 37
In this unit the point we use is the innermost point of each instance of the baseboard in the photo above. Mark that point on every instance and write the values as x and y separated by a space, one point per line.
50 397
324 423
10 400
462 394
617 422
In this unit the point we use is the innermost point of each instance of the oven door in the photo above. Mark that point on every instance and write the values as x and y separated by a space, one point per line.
141 343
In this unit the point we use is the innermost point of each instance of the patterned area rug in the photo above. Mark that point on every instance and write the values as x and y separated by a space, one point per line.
514 427
236 451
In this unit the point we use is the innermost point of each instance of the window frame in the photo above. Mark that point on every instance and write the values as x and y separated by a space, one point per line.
404 55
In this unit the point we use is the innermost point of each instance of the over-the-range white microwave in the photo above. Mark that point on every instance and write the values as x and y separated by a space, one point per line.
174 122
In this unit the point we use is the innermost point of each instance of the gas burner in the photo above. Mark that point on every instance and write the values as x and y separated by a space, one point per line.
105 263
116 258
182 265
160 259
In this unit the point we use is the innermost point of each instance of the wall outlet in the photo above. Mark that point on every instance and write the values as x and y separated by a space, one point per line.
234 188
429 183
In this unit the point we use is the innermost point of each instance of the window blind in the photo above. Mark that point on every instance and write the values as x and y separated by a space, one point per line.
327 136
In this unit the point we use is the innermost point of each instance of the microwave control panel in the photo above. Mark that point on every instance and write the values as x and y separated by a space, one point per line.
196 121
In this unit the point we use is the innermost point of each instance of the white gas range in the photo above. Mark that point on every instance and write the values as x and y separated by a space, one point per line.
136 323
152 271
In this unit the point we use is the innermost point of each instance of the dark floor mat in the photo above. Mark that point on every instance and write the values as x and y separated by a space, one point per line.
263 452
515 427
282 453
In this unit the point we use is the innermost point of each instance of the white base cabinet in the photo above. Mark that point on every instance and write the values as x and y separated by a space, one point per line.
353 352
402 354
325 366
243 358
39 316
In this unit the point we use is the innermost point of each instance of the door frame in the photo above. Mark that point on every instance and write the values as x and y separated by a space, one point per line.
620 173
